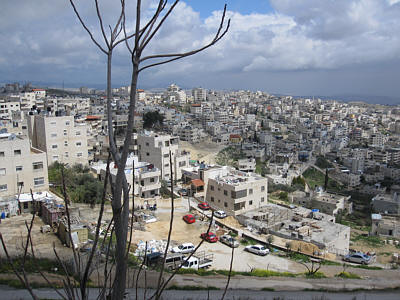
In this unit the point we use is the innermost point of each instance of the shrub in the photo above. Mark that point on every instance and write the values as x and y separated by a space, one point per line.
315 275
348 275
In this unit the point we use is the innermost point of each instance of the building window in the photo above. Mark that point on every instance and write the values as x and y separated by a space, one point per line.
147 154
3 171
1 153
251 202
66 154
166 165
53 123
79 154
67 123
18 168
65 131
142 182
212 199
211 187
53 135
262 188
226 204
152 180
166 155
38 165
78 144
54 146
147 144
17 152
20 184
38 181
26 205
55 157
262 199
78 133
250 191
3 187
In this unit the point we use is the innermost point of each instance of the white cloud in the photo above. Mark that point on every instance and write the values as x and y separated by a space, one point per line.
297 35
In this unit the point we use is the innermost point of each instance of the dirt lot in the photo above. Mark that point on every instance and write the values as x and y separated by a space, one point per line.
204 151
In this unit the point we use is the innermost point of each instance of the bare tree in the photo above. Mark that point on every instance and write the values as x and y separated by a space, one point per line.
141 36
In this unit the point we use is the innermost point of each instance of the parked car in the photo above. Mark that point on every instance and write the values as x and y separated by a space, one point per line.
184 248
189 219
204 206
359 258
257 249
228 240
209 237
220 214
183 192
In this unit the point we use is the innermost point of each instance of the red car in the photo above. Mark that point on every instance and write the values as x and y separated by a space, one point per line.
209 237
189 219
204 206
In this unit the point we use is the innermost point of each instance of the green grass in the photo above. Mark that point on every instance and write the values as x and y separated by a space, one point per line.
31 265
255 273
367 267
315 275
330 263
299 257
347 275
315 178
192 288
269 289
248 241
373 241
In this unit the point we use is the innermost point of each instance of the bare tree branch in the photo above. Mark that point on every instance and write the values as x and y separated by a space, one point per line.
99 17
86 28
229 275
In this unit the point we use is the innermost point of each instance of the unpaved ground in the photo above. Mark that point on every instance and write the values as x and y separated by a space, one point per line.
204 151
15 233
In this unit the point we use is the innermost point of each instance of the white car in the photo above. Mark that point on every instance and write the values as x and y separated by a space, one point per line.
220 214
184 248
257 249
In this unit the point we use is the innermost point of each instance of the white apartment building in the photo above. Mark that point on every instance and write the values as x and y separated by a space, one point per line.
60 137
147 177
199 94
7 109
22 167
154 148
237 192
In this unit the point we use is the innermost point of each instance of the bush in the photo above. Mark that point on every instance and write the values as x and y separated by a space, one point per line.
348 275
315 275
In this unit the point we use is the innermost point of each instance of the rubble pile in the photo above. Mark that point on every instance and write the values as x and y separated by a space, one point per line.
152 246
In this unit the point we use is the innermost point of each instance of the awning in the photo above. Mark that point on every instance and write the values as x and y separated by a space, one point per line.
198 182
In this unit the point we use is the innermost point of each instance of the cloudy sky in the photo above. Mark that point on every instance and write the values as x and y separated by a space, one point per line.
298 47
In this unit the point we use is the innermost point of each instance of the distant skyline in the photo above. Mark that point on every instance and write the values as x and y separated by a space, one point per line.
294 47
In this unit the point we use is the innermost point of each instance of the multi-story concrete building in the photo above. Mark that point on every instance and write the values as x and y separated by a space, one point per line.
389 204
22 167
384 225
60 137
237 192
146 176
7 108
155 148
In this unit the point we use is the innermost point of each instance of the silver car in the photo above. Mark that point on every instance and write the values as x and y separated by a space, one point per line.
359 258
228 240
257 249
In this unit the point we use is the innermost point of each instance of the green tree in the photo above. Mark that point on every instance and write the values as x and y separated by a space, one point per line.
152 119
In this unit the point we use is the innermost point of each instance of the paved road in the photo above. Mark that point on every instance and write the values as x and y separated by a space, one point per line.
7 293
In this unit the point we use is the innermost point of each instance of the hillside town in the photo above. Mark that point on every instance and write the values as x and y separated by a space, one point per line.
276 174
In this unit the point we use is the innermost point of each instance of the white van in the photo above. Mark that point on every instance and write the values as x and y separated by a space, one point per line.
183 248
